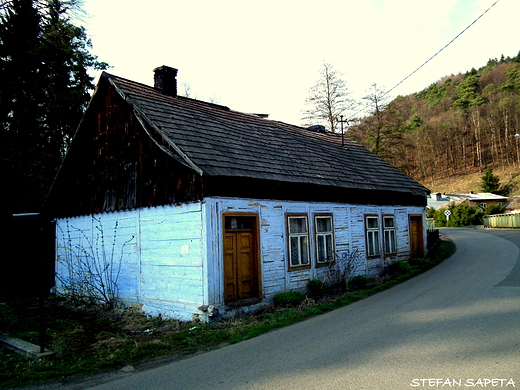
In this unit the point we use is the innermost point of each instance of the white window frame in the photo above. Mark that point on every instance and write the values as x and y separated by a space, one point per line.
302 241
389 235
325 253
373 236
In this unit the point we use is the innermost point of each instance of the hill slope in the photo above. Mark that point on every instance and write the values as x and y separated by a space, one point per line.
463 184
446 135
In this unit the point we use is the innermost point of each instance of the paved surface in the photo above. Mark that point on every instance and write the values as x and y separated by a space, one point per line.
459 322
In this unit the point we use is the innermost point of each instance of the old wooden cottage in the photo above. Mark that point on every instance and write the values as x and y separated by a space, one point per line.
191 209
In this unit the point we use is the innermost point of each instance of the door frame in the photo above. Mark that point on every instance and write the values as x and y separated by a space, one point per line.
255 250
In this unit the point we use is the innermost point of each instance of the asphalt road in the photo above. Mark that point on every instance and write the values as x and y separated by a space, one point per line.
455 326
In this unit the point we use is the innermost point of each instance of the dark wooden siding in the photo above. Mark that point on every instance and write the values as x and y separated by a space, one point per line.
114 164
243 187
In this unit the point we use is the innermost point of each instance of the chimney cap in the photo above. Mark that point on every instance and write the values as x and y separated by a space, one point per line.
165 68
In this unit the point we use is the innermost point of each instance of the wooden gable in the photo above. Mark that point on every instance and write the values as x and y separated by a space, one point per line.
116 164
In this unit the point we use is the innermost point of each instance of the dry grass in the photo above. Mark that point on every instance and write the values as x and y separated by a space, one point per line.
463 184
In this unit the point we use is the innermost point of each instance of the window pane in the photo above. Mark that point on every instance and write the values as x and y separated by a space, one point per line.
372 223
297 225
390 241
328 240
389 222
373 242
295 257
324 224
321 249
370 243
304 248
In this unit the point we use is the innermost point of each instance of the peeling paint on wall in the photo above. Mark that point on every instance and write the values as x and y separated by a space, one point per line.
175 263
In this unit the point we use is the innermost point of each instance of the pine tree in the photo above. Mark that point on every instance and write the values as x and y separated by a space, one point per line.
490 182
19 97
65 50
44 61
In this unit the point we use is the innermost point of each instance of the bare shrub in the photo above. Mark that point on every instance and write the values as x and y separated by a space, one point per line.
92 269
340 272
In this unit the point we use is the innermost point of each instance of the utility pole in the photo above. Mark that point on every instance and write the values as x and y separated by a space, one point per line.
342 132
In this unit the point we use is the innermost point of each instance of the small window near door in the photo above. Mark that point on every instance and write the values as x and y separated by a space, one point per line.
298 236
324 239
239 222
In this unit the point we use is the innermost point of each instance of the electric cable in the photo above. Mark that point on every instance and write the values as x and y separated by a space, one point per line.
428 60
445 46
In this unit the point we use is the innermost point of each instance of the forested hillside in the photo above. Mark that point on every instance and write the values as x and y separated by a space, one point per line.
457 126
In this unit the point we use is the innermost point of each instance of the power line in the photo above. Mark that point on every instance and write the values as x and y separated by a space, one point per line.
431 58
445 46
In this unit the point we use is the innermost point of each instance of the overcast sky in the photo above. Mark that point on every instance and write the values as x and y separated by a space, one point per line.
263 56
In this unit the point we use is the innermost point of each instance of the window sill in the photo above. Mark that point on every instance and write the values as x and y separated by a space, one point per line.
299 268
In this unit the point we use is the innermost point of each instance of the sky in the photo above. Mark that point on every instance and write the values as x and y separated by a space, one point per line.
264 56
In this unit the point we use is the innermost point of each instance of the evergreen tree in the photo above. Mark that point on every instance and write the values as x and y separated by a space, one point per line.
490 182
44 61
19 97
66 80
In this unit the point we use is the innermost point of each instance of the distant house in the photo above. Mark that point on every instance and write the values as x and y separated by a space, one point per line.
513 206
480 199
193 209
437 200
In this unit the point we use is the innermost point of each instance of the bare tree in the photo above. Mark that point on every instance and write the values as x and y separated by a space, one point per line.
377 102
329 99
187 90
340 272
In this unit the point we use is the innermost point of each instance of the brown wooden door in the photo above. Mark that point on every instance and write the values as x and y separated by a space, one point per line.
416 236
240 265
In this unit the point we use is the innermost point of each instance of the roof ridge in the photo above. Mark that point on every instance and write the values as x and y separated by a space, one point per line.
254 118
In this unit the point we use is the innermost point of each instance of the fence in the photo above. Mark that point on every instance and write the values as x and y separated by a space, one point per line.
432 234
502 221
430 224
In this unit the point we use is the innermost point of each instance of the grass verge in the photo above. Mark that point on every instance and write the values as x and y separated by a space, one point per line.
89 341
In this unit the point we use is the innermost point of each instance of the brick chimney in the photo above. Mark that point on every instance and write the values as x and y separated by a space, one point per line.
165 80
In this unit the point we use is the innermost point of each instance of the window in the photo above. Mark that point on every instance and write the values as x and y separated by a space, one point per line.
324 239
373 241
298 241
390 238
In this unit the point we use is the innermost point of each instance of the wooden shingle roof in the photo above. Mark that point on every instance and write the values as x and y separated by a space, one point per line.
218 142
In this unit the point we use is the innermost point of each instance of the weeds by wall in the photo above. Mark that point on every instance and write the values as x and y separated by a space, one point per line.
90 263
